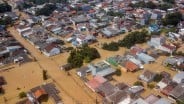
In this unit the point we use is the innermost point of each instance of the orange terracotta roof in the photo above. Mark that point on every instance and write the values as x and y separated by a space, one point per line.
131 66
39 93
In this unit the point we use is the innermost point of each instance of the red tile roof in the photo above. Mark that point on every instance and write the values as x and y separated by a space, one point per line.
49 47
131 66
39 93
95 82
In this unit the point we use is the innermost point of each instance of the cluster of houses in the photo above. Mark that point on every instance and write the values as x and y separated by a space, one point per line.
39 37
81 23
11 51
38 94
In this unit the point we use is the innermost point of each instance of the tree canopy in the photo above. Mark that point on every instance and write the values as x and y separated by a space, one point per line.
5 21
151 5
46 10
113 46
172 19
83 54
134 38
5 7
169 1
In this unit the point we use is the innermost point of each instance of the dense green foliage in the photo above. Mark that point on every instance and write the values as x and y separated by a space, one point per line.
112 13
179 102
5 21
24 5
113 46
44 73
143 4
169 1
164 6
83 54
172 19
39 2
46 10
158 77
22 95
150 85
151 5
134 38
138 83
4 7
118 72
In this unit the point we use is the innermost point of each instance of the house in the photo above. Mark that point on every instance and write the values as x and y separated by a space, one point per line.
40 94
139 101
167 48
147 76
110 32
119 97
154 28
177 92
79 19
163 83
135 89
94 83
174 36
136 61
82 72
163 101
115 60
168 88
122 86
130 66
51 50
13 15
84 39
134 50
101 69
37 94
156 41
66 67
174 61
145 58
151 99
106 89
23 28
179 77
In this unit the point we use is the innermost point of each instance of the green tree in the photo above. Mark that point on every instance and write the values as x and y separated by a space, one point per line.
45 77
113 46
179 102
158 77
134 38
169 1
165 6
6 21
150 85
138 83
22 95
118 72
83 54
46 10
172 19
5 7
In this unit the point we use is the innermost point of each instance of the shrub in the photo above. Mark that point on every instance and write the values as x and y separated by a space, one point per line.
158 77
22 95
150 85
45 77
118 72
113 46
138 83
83 54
